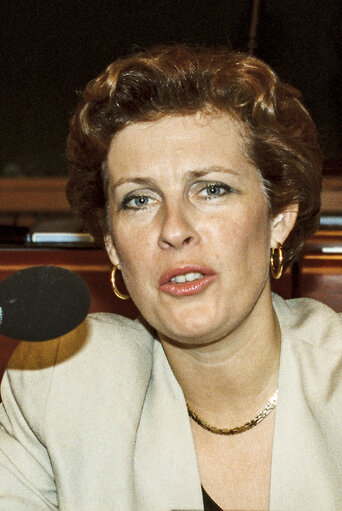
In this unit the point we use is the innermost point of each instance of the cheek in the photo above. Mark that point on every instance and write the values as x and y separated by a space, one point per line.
258 237
125 248
135 255
244 237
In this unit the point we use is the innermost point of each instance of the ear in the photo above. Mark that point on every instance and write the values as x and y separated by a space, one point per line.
282 224
111 250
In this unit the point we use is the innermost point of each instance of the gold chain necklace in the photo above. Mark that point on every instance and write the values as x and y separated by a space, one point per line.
239 429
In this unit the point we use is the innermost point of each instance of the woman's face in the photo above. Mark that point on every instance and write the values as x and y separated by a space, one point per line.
189 224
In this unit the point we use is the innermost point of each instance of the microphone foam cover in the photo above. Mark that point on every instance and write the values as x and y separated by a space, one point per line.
42 302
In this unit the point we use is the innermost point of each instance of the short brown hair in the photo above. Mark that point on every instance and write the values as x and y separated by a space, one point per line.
281 139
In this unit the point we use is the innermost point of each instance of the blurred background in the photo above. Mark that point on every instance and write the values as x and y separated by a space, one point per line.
51 48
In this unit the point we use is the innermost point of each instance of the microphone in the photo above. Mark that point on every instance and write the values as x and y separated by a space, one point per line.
42 302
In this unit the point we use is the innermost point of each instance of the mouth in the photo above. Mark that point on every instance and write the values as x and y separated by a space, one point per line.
187 280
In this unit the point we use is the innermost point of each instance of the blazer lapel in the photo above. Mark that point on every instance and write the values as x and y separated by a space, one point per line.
165 465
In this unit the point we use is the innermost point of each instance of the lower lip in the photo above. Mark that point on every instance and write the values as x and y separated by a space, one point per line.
187 288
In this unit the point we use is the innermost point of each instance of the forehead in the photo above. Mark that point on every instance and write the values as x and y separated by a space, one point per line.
179 142
178 127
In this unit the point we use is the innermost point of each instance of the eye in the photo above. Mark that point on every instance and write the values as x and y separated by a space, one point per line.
136 202
215 190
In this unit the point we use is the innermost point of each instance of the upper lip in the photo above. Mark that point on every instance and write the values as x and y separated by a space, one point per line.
182 270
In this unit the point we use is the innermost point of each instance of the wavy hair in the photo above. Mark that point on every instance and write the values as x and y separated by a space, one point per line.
280 137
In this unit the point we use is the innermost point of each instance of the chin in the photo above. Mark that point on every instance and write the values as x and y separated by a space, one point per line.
193 331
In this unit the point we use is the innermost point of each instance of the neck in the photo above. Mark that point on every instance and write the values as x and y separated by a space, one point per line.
232 378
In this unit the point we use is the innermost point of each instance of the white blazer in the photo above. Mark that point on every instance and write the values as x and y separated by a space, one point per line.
96 421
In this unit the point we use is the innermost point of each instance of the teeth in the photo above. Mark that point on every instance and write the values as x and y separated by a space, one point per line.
179 279
188 277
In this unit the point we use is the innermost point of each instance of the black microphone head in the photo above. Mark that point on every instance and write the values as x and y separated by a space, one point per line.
42 303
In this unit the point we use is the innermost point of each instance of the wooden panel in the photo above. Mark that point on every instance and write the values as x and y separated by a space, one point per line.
320 277
332 193
33 195
283 286
325 240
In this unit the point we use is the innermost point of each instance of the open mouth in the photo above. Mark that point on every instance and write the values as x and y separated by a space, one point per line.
187 277
186 281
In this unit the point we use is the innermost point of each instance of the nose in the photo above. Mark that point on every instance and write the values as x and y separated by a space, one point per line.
177 228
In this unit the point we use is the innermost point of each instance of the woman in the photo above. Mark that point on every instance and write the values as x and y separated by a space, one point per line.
200 171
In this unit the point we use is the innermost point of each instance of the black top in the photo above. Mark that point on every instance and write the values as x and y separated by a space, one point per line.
209 504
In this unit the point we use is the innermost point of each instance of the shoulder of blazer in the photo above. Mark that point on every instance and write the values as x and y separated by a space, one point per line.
98 333
310 321
105 354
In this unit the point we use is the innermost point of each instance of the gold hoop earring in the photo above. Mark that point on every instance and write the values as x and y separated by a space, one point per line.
277 262
115 289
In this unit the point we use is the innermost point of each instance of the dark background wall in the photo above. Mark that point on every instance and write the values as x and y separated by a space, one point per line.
51 48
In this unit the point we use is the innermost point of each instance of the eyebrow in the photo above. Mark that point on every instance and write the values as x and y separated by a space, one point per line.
196 173
209 170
